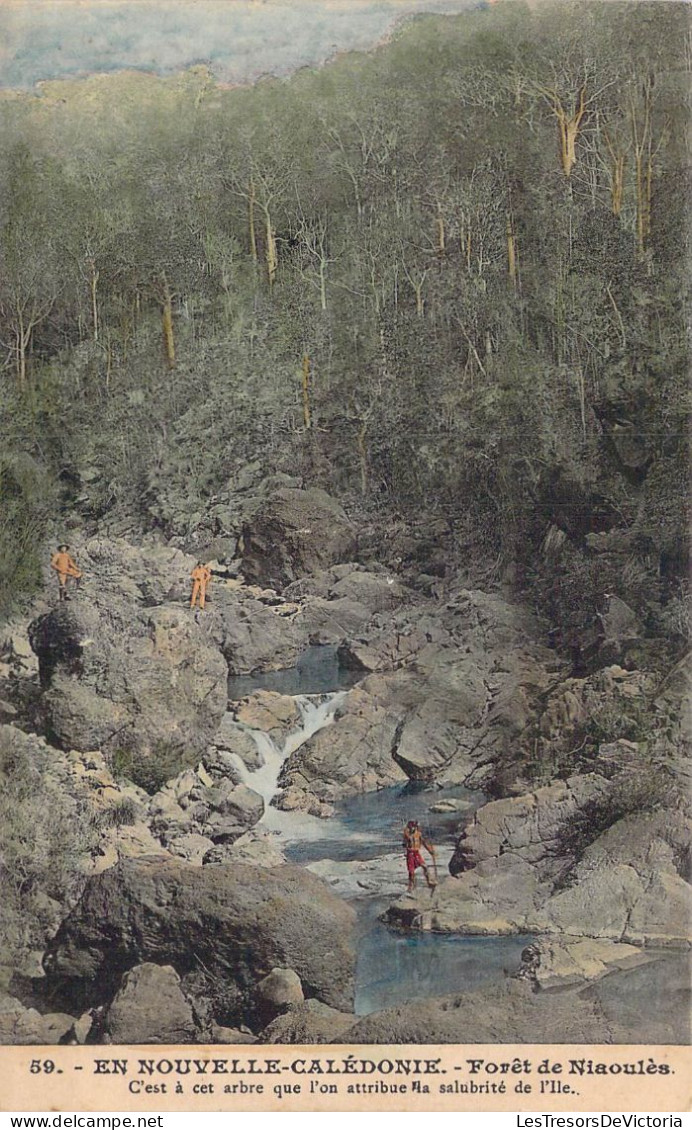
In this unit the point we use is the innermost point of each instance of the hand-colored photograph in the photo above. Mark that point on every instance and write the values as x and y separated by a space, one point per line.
345 402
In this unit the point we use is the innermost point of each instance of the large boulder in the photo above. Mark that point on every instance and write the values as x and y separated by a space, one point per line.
630 884
350 756
564 860
551 962
509 1012
293 533
378 592
275 993
235 809
447 688
650 1003
309 1022
121 679
338 604
260 849
332 621
149 1008
22 1026
150 575
222 928
232 748
275 714
252 635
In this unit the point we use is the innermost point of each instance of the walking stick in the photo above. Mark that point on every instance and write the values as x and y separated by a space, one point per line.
434 863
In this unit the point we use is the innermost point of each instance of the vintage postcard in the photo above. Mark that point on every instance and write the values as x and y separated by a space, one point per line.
344 555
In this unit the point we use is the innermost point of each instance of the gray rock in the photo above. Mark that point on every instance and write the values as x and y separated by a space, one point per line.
543 863
221 928
293 533
232 738
376 592
555 962
627 884
235 809
252 636
221 549
117 679
350 756
191 847
649 1003
332 621
26 1026
274 993
308 1023
275 714
317 584
221 1035
621 628
509 1012
253 847
149 1008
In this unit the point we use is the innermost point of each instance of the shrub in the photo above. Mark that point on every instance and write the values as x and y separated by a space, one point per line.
151 771
40 859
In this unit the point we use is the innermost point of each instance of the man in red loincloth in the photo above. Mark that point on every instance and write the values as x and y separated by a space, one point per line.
413 842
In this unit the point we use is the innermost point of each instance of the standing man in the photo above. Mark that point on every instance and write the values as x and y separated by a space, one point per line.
65 567
413 842
201 576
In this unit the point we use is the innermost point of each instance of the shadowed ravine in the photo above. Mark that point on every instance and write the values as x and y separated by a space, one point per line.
391 967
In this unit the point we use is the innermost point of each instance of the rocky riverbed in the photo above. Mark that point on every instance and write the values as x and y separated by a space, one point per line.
559 801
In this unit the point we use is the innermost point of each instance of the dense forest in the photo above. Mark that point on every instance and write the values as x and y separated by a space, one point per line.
445 280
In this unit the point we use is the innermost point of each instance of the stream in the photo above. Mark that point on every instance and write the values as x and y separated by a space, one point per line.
358 851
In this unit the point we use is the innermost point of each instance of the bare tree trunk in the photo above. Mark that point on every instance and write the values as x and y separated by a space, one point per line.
441 239
109 361
617 183
305 385
94 302
167 325
271 253
21 357
582 399
643 165
252 199
511 252
363 457
559 315
568 129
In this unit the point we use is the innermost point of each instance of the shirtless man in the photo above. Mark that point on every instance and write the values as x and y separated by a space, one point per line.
413 842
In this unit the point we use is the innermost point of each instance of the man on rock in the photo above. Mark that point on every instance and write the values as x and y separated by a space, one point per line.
65 567
413 842
201 577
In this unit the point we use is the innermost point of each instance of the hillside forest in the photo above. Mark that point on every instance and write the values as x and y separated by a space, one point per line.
446 280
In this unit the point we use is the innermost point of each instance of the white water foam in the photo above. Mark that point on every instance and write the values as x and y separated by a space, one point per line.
316 712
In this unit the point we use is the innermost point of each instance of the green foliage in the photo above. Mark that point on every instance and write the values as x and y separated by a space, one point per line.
151 771
644 790
610 720
25 503
119 815
40 859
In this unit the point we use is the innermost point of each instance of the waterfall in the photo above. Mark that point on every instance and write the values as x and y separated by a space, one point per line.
316 712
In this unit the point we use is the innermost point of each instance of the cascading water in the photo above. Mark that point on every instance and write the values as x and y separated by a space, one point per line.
316 712
391 967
